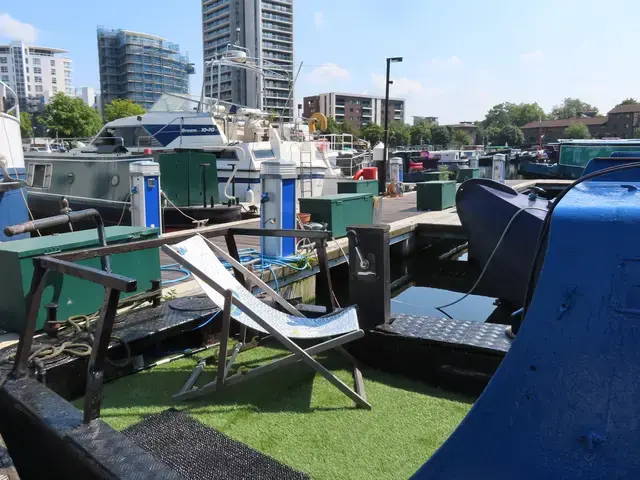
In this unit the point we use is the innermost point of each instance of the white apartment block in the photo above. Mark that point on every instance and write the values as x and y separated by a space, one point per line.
87 95
265 27
35 73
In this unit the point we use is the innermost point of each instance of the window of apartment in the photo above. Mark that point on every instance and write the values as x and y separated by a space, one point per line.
38 88
37 70
67 73
28 78
54 80
69 91
67 64
52 63
351 117
26 60
4 69
27 69
3 59
53 71
37 79
5 78
54 89
36 61
67 82
28 88
351 109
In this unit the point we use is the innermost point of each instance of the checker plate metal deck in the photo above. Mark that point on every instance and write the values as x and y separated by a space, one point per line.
487 336
201 453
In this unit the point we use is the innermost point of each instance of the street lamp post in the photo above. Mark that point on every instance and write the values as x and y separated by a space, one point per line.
382 168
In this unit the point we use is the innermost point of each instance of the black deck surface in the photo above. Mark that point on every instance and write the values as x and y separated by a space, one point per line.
139 329
465 334
201 453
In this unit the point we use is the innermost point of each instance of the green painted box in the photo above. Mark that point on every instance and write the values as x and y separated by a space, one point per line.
467 173
181 176
73 296
358 186
436 195
434 176
339 211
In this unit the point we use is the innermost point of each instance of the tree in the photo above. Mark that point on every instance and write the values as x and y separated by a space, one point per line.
510 135
572 108
440 136
513 114
576 130
120 108
628 101
524 113
420 133
26 127
636 133
372 133
460 137
70 117
347 128
493 134
332 126
399 134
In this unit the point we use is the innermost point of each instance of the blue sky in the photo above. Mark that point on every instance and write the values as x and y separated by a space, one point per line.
460 57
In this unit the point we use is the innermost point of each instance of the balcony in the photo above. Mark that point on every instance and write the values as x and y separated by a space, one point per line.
276 27
277 8
278 18
274 36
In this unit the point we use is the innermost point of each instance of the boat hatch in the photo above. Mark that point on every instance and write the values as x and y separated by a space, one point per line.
39 175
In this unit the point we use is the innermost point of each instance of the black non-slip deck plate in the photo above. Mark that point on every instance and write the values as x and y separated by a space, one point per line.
486 336
201 453
171 316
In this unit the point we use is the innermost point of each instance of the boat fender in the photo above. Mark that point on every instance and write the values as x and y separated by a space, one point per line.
250 197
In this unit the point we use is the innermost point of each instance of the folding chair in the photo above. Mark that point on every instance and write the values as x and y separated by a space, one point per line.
200 256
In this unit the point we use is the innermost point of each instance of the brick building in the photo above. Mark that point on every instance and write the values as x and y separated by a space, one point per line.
622 122
358 110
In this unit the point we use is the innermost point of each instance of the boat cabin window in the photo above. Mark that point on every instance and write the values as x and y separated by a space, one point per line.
131 137
39 175
264 153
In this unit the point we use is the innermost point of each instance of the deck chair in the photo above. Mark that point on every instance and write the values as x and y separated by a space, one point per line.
200 256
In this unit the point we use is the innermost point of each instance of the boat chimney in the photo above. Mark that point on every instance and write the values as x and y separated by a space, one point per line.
147 151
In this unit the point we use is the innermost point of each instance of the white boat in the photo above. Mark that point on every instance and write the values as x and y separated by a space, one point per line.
13 200
242 138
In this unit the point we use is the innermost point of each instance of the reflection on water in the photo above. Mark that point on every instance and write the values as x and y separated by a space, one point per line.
423 301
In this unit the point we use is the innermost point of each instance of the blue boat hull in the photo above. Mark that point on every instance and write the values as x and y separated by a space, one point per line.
485 208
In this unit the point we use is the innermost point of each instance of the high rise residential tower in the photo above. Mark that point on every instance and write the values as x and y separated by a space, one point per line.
265 28
140 67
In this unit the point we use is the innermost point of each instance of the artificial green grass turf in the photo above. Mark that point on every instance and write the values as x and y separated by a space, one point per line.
302 420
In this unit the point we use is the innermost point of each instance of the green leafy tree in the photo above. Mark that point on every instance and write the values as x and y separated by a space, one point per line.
513 114
333 127
120 108
524 113
420 133
347 128
628 101
460 137
511 135
440 136
372 133
493 134
26 127
399 134
572 108
636 133
576 130
70 117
